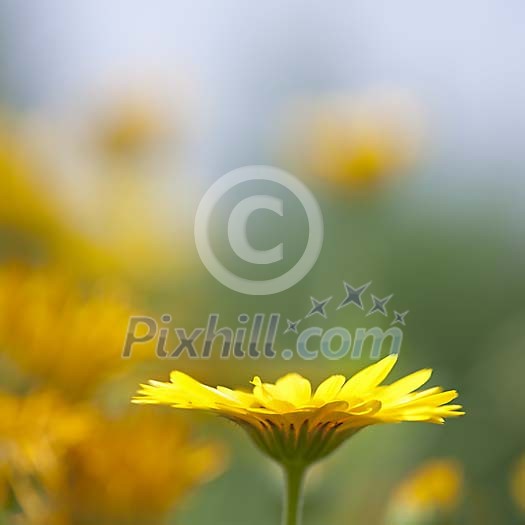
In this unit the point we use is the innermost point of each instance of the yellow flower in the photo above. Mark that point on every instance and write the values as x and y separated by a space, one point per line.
35 432
435 487
362 140
134 469
297 426
67 464
59 334
293 424
124 222
33 426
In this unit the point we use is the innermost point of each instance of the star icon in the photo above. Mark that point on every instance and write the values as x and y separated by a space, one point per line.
379 305
399 318
292 326
318 307
353 295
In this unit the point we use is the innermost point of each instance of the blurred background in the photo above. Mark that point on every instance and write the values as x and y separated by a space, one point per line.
407 122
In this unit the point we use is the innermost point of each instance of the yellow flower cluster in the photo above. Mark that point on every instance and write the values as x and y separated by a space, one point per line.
62 458
65 458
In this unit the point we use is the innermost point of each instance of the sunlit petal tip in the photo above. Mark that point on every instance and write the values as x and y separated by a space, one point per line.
455 393
455 410
389 361
392 357
425 373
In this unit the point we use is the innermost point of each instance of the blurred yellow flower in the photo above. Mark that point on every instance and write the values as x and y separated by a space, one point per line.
360 141
293 424
431 490
59 334
138 223
112 186
517 484
23 205
131 126
134 469
35 432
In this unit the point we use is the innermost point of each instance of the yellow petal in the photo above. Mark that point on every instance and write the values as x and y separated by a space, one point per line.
366 409
265 394
245 399
294 388
192 391
407 384
329 389
434 400
369 378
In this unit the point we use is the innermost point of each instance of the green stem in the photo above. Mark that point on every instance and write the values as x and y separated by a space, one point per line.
294 494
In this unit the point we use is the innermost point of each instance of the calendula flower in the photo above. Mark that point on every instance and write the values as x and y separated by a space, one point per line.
359 141
296 425
59 334
36 430
429 494
134 469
